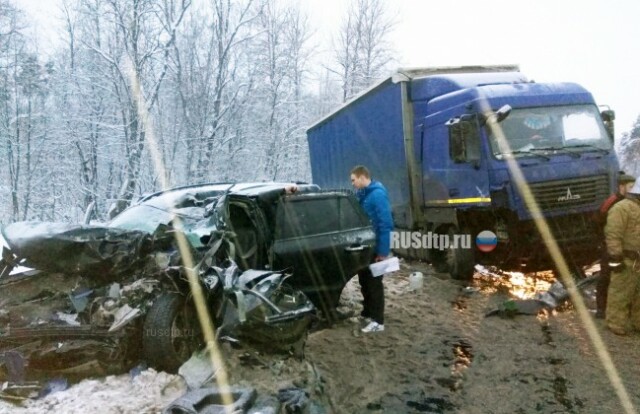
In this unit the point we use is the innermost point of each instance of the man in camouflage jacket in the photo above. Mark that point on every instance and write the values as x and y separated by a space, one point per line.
625 184
622 235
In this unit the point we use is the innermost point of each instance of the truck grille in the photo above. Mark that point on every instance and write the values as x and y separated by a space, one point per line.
575 192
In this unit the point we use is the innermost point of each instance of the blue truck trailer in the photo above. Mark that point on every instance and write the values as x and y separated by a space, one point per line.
465 150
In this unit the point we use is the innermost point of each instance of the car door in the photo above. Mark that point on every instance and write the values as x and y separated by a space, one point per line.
325 238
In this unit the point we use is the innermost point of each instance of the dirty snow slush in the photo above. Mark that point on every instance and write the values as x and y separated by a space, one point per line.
432 358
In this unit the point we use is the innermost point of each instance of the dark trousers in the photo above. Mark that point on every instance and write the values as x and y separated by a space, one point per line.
373 293
603 285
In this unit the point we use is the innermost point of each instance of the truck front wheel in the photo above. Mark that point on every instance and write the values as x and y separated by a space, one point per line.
461 259
459 262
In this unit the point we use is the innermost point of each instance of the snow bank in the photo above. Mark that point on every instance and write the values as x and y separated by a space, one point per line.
148 392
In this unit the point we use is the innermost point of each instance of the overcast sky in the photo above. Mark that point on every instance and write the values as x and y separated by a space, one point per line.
594 43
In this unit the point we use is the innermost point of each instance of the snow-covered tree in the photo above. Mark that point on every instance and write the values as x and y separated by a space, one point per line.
281 57
213 84
629 150
24 88
362 49
221 85
138 38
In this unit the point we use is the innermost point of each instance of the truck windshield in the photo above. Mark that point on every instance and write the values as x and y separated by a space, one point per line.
575 128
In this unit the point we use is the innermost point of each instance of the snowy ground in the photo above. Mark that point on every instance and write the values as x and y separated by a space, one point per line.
438 354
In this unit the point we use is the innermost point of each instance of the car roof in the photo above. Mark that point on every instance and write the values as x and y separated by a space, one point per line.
204 191
257 189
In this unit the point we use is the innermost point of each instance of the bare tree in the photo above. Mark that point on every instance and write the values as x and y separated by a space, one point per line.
11 46
362 49
23 90
82 118
223 88
32 81
272 67
210 83
298 36
140 37
281 58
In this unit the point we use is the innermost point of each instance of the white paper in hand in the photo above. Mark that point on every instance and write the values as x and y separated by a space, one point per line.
389 265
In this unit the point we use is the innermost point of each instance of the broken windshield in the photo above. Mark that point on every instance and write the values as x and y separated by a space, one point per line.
147 218
550 128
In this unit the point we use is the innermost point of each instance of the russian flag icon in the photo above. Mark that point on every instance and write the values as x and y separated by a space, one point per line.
486 241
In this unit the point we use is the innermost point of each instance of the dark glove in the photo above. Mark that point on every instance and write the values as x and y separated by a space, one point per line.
616 263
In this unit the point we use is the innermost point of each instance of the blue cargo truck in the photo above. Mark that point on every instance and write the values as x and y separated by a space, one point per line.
466 150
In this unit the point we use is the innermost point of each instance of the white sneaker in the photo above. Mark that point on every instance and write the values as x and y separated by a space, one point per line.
373 327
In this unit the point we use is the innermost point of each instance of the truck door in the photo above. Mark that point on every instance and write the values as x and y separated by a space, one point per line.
454 161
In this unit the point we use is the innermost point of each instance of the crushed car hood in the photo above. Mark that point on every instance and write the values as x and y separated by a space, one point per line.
78 249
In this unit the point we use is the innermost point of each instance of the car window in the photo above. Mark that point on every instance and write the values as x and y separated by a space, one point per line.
350 217
147 218
307 217
296 218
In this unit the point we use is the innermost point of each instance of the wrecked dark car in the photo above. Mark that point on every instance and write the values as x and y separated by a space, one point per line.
102 297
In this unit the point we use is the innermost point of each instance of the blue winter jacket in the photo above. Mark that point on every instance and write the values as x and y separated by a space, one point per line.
375 202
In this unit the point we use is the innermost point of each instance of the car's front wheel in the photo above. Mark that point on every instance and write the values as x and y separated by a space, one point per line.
171 332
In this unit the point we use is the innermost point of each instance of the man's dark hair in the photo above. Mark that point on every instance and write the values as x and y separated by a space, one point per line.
361 170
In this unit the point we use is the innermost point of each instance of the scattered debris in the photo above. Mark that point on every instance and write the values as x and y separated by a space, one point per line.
53 386
69 319
17 393
265 404
197 371
14 363
431 405
122 316
294 400
61 322
511 308
212 401
469 290
137 370
555 296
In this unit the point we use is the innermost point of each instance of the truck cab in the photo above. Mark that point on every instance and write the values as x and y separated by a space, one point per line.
516 153
473 151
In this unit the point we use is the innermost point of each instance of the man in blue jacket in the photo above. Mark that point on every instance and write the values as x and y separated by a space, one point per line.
374 200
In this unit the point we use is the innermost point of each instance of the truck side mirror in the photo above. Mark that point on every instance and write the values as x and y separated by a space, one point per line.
608 116
498 116
464 144
503 113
